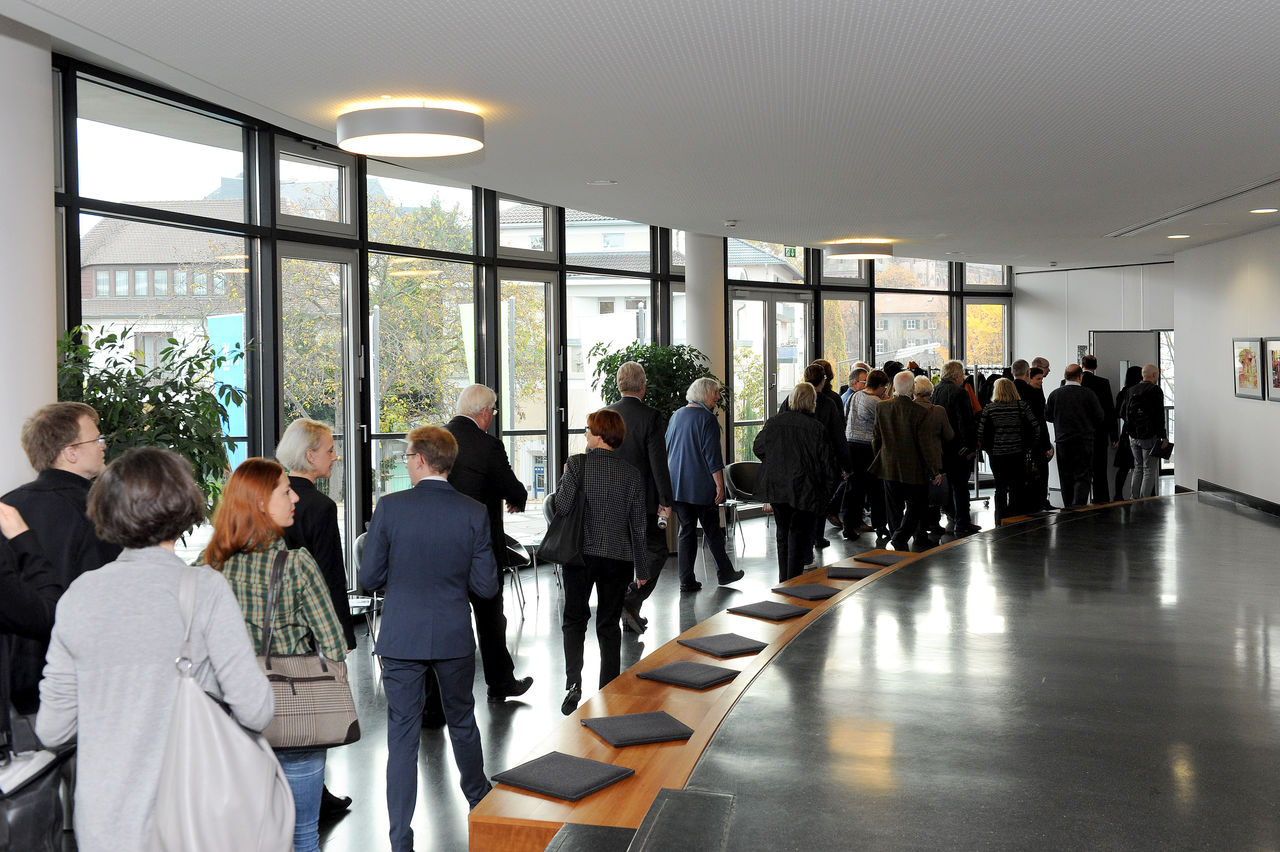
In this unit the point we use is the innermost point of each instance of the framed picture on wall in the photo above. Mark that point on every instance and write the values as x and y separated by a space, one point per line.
1271 367
1248 366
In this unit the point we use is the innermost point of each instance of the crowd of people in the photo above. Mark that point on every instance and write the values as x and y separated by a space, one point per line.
89 579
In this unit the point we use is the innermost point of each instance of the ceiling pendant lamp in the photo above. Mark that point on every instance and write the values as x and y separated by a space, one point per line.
410 132
860 249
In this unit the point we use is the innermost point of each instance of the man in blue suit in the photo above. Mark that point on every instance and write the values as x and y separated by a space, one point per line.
428 547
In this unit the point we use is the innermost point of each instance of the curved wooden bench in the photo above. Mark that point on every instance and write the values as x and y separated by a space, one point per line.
513 820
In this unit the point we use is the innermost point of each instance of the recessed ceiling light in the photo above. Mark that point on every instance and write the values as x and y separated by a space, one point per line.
1179 236
601 182
1266 210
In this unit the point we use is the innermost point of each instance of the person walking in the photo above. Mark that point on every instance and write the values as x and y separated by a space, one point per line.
795 476
697 481
1008 431
613 548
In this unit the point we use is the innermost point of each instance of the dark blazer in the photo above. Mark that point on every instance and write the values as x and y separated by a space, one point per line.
1102 390
1074 412
829 411
54 506
645 448
797 467
428 547
483 473
904 451
315 527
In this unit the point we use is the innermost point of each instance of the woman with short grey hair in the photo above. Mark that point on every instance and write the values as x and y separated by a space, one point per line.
701 389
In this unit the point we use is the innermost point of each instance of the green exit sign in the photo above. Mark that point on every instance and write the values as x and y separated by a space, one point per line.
788 251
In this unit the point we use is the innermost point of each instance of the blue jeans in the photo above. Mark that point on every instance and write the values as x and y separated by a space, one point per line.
1146 466
305 770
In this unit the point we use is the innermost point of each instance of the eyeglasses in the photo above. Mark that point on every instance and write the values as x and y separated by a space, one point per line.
404 457
101 441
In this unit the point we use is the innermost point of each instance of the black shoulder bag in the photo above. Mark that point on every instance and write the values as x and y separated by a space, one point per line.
562 543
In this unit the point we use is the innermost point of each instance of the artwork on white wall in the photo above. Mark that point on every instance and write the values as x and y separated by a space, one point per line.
1248 366
1271 349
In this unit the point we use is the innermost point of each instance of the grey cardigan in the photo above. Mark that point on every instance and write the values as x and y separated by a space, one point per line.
110 682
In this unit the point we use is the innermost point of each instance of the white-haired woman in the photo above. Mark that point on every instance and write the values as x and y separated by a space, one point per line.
697 481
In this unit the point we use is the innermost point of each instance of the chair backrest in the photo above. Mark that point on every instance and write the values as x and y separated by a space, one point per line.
517 555
740 480
358 550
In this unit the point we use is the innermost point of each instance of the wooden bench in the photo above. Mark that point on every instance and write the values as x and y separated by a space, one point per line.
513 820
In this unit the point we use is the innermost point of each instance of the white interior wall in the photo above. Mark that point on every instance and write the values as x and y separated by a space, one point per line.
1055 310
28 288
1225 290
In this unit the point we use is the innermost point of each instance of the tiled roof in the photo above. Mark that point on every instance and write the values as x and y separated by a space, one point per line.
125 242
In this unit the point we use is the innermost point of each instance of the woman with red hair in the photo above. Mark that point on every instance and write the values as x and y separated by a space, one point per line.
248 532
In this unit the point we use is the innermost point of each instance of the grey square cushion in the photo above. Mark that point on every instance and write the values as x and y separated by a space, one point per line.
724 645
563 776
639 728
885 559
851 572
690 674
808 591
771 610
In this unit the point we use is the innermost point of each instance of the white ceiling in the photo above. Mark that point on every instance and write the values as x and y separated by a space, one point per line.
1010 131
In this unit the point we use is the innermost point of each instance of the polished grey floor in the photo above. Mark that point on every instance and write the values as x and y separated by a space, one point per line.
1102 680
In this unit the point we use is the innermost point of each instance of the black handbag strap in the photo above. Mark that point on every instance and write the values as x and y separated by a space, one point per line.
273 590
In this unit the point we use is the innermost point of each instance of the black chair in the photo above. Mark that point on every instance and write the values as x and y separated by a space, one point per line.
370 605
515 558
740 481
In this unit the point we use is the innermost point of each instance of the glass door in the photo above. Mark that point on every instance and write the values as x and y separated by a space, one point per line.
771 333
317 364
844 332
525 397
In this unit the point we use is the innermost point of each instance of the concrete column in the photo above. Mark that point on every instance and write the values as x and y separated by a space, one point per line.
29 283
704 298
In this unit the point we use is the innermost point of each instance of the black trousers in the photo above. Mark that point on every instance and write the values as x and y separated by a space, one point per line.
609 577
1075 470
1011 485
862 489
655 556
958 469
1100 472
914 500
491 636
794 539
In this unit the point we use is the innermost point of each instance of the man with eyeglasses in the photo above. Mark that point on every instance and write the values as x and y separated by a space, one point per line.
64 446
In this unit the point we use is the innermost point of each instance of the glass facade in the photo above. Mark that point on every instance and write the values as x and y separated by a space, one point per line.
424 300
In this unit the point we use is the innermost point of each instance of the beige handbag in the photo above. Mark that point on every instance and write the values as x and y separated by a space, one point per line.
314 707
221 788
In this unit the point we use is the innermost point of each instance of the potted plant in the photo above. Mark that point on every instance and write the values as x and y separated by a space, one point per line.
668 370
175 403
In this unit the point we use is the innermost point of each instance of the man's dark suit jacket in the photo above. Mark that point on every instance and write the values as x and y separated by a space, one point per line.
315 527
428 547
483 473
645 448
1102 390
903 448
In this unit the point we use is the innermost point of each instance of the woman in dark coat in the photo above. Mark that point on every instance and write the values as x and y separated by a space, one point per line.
1124 455
1008 431
613 547
796 476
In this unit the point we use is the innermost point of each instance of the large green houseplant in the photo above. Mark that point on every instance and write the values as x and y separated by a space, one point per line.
668 370
176 403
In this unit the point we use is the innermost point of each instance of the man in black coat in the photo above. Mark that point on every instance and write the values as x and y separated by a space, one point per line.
1029 381
1076 416
1109 434
645 448
483 473
62 443
959 452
